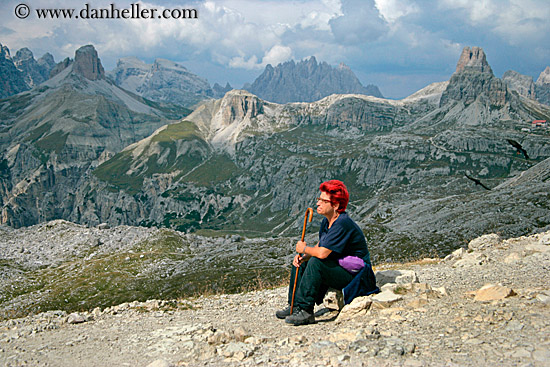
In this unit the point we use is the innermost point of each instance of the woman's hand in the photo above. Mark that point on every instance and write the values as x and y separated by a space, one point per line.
300 259
300 247
297 261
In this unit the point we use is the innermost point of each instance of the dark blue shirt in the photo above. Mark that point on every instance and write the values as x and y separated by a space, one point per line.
344 238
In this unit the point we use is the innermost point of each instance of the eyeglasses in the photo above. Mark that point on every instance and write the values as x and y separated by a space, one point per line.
324 200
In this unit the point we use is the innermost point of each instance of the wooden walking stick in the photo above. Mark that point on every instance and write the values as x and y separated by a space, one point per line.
307 218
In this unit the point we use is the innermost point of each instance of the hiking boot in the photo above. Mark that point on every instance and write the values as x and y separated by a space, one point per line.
300 317
282 314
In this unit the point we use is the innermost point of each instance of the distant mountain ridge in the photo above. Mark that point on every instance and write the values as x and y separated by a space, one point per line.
163 81
524 85
22 72
307 81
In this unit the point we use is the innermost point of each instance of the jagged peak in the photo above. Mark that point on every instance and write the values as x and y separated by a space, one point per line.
59 67
5 52
312 60
343 66
23 54
473 59
88 64
47 59
544 77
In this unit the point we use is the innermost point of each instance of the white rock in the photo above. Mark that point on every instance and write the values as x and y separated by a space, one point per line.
537 247
493 292
359 306
75 318
395 276
385 299
160 363
486 241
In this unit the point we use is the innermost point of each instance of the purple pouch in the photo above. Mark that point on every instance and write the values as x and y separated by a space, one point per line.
351 263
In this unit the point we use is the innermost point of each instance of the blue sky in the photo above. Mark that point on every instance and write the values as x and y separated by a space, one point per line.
399 45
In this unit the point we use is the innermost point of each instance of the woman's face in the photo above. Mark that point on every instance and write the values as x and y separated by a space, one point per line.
324 206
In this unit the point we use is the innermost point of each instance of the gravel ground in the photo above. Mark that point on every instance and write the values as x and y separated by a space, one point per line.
438 317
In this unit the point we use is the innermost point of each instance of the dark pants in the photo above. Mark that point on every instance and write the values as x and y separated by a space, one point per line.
315 277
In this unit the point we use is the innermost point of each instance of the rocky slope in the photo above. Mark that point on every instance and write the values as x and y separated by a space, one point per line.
486 305
307 81
162 81
522 84
62 265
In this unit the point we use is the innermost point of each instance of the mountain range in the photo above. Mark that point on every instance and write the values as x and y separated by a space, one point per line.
55 133
22 72
80 148
162 81
307 81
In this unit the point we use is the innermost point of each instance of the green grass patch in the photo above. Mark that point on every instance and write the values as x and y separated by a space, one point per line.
53 142
216 169
114 171
38 132
178 131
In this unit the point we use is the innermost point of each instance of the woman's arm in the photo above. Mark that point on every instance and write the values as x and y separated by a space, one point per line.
316 251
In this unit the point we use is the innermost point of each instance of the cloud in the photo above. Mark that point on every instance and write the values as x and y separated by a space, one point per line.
391 10
360 23
277 55
409 39
515 21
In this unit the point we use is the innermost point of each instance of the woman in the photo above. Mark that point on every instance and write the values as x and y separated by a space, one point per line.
341 244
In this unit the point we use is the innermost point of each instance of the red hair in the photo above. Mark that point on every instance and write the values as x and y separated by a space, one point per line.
338 193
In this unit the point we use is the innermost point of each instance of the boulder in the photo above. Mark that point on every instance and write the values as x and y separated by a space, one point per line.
395 276
493 292
358 307
486 241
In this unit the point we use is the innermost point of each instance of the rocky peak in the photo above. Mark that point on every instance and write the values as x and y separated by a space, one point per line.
343 66
23 55
88 64
47 61
544 77
61 66
35 72
307 81
12 80
522 84
220 91
4 52
238 104
474 81
162 81
473 59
